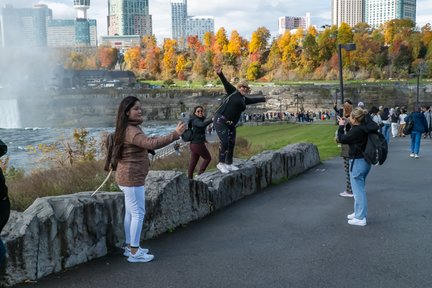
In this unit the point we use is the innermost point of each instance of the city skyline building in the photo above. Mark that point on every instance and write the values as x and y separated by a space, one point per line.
198 26
178 21
24 26
347 11
287 23
82 24
67 33
377 12
129 17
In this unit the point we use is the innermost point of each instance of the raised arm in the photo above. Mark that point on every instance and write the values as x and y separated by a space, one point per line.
229 88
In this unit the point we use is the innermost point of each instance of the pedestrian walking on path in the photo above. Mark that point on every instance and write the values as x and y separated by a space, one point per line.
420 126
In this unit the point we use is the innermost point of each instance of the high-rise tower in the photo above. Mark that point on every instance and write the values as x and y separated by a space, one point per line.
81 7
129 17
347 11
178 20
378 12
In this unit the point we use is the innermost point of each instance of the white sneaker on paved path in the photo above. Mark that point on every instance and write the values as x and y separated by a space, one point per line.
412 155
231 167
222 167
351 216
416 156
140 256
346 194
357 222
127 251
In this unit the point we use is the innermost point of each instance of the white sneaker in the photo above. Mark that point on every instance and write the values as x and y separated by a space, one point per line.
416 156
351 216
412 155
231 167
222 167
127 251
140 256
357 222
346 194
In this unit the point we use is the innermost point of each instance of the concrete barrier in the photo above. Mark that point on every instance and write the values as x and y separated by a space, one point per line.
59 232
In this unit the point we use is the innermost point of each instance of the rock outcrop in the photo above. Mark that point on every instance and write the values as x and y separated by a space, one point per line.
59 232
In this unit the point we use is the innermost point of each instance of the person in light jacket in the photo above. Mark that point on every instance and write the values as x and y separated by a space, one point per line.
131 148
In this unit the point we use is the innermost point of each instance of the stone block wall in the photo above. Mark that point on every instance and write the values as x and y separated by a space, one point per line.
59 232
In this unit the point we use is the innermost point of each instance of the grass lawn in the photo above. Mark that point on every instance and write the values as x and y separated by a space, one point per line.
272 137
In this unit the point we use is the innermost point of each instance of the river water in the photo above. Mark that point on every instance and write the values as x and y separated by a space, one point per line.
19 141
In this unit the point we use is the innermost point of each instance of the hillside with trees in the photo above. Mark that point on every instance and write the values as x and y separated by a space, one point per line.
395 50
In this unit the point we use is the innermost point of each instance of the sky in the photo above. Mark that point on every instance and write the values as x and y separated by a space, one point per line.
230 14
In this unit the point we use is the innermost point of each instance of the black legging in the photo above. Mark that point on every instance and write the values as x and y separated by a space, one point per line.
4 217
226 132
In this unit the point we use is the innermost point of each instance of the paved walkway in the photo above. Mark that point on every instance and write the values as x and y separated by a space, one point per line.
294 235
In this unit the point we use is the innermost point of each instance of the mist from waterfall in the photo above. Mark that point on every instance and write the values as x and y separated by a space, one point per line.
9 114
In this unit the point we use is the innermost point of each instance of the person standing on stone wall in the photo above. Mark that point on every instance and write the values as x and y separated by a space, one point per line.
130 153
198 143
226 118
4 204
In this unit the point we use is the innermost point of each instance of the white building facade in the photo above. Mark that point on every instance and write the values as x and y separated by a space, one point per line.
198 26
347 11
287 23
378 12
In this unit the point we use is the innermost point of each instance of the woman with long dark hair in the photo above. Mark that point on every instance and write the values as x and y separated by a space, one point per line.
197 145
130 154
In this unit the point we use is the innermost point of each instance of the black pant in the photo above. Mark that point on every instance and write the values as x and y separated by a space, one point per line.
226 132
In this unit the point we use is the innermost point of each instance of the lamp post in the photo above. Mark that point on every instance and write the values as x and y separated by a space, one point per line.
347 47
419 71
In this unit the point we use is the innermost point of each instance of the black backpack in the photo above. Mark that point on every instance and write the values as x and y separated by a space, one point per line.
376 148
188 134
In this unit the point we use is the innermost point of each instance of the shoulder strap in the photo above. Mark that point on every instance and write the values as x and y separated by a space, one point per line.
224 103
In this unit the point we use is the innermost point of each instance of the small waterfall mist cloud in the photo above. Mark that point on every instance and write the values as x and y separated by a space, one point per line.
26 73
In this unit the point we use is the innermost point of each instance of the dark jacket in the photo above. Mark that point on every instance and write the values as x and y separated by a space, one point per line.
237 102
357 137
3 187
420 122
199 125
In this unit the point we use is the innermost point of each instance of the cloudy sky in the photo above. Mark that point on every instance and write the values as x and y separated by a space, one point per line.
230 14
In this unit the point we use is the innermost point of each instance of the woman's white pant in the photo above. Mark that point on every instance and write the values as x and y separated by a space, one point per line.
394 129
134 214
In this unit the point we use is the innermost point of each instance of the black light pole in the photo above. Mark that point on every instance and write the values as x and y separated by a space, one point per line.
418 89
347 47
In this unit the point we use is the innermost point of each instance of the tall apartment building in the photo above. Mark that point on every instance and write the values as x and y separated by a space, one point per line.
24 26
347 11
72 33
129 17
377 12
178 20
184 25
288 23
198 26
